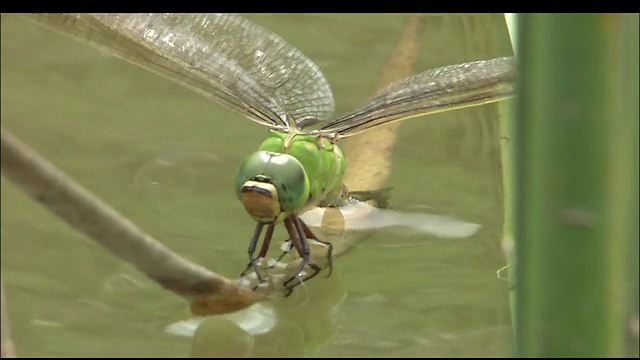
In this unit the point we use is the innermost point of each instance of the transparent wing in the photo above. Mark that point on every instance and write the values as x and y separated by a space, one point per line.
441 89
224 57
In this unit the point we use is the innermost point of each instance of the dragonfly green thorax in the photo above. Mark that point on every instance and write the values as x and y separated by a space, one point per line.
290 172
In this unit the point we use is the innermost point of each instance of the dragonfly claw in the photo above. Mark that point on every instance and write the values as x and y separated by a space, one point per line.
253 264
298 274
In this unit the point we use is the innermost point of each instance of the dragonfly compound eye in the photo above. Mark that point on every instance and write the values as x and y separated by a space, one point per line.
271 185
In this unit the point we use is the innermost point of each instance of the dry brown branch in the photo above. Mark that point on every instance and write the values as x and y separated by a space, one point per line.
85 212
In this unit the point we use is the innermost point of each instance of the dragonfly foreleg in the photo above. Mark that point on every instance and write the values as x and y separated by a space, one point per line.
253 261
300 242
265 243
310 234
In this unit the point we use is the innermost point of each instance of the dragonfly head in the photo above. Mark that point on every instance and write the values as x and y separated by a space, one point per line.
271 186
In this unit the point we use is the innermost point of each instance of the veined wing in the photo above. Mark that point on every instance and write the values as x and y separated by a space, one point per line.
224 57
441 89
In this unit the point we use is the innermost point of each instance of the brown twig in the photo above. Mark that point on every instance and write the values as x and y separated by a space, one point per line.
85 212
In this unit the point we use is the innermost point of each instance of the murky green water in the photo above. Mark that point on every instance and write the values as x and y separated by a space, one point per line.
108 124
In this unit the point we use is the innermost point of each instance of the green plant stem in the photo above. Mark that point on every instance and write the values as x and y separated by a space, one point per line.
573 153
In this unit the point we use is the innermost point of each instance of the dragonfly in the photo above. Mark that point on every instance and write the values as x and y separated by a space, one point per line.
256 73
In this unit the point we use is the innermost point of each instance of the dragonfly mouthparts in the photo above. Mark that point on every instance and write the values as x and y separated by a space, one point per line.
261 178
261 201
256 189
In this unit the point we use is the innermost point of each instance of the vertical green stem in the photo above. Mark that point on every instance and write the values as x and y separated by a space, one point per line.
574 152
505 109
628 55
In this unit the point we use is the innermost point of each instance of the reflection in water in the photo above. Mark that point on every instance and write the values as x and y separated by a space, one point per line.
293 326
363 216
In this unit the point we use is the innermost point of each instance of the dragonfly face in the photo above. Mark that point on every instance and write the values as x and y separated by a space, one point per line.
271 185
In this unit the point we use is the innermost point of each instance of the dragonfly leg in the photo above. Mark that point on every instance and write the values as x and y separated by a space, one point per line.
310 234
253 261
300 242
265 243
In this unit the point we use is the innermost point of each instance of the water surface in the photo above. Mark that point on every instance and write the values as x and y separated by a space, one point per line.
166 157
